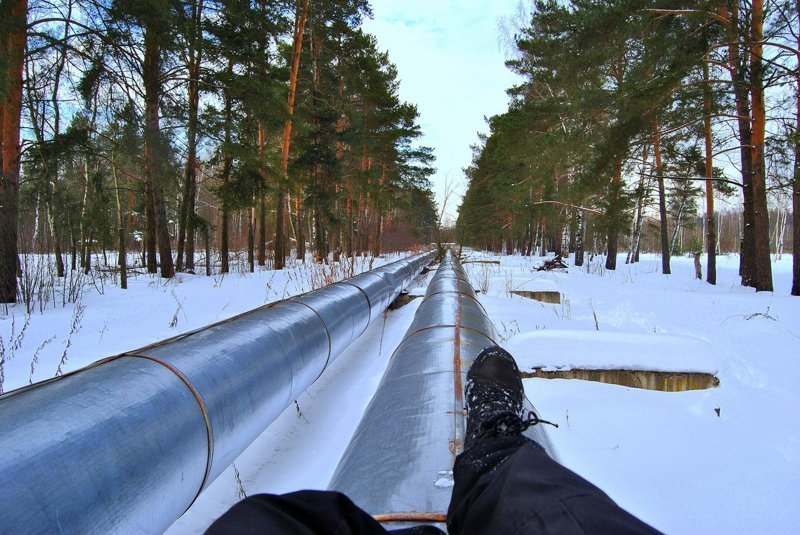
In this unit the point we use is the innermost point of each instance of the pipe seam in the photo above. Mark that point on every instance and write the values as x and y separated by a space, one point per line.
444 292
200 403
443 326
369 304
327 331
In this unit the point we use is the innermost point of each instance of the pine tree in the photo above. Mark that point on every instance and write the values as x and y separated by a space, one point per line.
13 39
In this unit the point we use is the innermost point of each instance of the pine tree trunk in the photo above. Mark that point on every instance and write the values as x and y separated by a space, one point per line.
150 229
573 231
349 236
301 15
579 238
224 252
187 207
207 243
780 246
251 239
637 235
636 223
10 114
376 246
615 208
615 205
122 259
227 167
742 99
262 198
87 253
662 200
56 243
336 244
151 78
262 229
319 236
796 186
191 229
301 231
762 264
711 234
279 246
557 236
531 237
84 204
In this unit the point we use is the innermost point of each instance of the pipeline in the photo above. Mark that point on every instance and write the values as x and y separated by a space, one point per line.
128 443
398 465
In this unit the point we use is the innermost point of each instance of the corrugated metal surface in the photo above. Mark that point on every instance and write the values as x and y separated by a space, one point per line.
126 445
400 458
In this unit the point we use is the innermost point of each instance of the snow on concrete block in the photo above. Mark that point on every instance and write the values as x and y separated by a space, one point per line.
602 350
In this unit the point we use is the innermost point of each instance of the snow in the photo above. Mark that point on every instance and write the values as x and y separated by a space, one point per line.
668 457
665 456
599 350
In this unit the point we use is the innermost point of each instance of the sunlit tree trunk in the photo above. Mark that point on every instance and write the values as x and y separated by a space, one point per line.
10 110
763 267
301 14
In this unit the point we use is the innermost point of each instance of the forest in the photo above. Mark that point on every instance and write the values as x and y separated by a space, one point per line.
646 125
184 135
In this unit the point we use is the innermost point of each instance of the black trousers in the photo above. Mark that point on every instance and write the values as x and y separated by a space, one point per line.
502 486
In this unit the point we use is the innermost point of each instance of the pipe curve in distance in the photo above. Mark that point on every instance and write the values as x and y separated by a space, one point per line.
127 444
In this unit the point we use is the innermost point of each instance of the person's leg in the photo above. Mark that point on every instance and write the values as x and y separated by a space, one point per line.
506 483
303 512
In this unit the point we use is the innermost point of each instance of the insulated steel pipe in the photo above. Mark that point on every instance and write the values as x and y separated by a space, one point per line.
126 444
398 465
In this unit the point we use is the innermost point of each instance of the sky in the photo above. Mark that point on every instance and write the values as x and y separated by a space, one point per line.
451 65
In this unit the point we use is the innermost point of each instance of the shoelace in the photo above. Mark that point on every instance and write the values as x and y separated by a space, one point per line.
533 419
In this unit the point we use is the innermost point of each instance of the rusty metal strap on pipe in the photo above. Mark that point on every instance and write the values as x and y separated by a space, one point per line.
201 404
410 517
458 387
447 326
460 294
369 304
327 331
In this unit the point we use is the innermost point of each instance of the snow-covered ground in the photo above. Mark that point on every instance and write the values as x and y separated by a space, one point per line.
724 460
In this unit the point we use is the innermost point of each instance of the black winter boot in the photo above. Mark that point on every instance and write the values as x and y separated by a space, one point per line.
494 396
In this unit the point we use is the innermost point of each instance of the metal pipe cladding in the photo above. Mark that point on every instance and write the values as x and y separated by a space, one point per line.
128 443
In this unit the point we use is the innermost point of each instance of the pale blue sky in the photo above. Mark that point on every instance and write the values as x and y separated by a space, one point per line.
451 66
